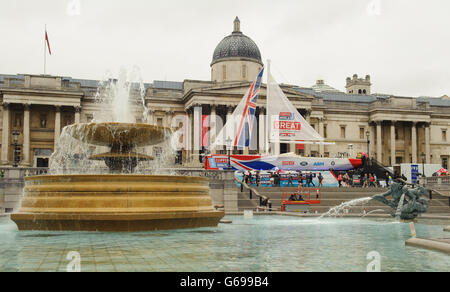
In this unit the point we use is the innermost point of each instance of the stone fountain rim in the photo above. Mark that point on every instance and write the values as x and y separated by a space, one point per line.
117 126
152 177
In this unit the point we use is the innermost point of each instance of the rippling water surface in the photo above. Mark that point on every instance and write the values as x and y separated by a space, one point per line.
265 243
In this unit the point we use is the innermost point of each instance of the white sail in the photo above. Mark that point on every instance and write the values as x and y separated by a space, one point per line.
286 124
239 128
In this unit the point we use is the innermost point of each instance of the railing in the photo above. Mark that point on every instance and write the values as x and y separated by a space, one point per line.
19 173
264 201
437 180
303 196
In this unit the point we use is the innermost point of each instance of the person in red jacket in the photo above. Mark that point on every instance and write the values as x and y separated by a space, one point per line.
340 179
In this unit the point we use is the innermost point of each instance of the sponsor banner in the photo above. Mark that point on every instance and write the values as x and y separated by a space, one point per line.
296 163
414 173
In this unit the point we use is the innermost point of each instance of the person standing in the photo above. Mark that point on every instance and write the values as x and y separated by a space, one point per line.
388 179
365 181
320 177
347 180
290 182
372 181
340 180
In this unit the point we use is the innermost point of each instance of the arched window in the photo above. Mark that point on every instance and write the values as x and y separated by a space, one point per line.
365 91
360 91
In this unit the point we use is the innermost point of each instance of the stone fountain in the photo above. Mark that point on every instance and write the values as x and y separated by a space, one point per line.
407 202
119 201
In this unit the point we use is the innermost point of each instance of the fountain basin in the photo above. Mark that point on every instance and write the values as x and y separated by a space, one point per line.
115 203
110 134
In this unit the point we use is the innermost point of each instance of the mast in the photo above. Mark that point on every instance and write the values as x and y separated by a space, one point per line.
267 107
45 49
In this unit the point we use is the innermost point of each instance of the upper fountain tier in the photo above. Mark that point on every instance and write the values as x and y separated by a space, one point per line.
119 134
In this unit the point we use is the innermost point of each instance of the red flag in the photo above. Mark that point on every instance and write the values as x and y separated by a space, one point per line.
48 43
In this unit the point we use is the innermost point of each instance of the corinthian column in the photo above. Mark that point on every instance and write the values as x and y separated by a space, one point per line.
5 134
307 146
379 145
229 132
393 151
57 124
213 127
321 133
26 136
427 144
414 142
197 129
77 114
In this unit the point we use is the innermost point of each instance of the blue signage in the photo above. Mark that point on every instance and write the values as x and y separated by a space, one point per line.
414 173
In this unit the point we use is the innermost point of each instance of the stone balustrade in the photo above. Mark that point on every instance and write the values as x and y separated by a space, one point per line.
223 189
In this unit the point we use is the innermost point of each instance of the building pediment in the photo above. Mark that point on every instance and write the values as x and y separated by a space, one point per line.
32 97
234 92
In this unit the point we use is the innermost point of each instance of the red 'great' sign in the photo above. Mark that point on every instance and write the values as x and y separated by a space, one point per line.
287 125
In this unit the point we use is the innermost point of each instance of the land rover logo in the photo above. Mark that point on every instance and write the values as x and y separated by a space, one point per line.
304 163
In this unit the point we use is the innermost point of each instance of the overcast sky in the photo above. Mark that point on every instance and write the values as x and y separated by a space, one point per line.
403 44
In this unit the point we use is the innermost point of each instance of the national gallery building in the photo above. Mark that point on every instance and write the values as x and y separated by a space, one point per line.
393 129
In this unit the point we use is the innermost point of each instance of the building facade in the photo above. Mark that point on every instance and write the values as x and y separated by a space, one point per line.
393 129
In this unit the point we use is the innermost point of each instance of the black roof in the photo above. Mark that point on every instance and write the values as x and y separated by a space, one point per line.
237 45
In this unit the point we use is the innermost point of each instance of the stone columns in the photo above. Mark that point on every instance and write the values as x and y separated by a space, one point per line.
26 136
308 146
393 151
231 128
262 130
371 141
189 137
213 127
197 129
57 124
379 139
292 147
151 117
414 142
427 144
77 114
169 118
5 134
321 133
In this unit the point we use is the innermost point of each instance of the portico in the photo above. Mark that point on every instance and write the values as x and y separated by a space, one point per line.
38 111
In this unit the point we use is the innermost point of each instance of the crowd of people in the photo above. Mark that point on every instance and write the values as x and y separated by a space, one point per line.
308 179
304 178
365 180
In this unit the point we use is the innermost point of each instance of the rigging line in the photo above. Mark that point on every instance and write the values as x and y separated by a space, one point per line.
285 80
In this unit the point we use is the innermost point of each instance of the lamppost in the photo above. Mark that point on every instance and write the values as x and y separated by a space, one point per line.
229 141
16 134
423 164
368 143
350 150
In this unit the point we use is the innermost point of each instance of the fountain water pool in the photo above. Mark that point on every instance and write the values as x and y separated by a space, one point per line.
262 244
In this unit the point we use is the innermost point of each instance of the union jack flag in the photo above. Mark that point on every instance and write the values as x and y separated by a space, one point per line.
244 131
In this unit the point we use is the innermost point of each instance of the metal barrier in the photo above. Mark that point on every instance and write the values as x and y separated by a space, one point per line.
303 196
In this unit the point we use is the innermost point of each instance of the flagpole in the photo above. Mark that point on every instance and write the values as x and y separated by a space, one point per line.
267 108
45 50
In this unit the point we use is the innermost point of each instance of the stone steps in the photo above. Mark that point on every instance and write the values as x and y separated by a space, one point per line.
332 197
